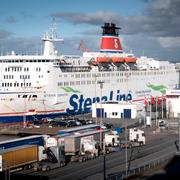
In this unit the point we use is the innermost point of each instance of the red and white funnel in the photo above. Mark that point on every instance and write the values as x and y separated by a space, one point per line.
110 41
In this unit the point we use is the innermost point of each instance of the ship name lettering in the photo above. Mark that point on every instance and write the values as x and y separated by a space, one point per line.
80 104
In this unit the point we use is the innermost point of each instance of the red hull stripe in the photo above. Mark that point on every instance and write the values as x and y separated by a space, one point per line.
36 112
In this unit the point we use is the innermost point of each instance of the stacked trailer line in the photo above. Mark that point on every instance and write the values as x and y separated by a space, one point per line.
73 144
30 140
80 129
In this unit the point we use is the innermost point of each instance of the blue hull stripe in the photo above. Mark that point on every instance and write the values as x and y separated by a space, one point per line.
30 118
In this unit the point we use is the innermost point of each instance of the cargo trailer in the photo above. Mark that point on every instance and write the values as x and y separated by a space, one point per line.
17 158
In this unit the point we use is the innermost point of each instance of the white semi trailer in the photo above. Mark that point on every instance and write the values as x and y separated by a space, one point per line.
82 147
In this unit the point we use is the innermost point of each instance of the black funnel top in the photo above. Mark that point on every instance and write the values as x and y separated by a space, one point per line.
110 29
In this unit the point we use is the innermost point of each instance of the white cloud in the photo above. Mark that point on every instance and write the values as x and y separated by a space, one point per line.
87 18
161 4
4 34
169 42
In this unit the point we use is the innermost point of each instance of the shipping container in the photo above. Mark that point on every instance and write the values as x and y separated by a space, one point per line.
18 157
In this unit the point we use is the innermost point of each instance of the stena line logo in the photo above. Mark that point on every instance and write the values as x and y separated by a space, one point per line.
80 104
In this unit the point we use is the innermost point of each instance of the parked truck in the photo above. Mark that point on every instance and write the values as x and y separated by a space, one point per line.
136 137
111 142
89 145
17 158
55 155
112 139
81 147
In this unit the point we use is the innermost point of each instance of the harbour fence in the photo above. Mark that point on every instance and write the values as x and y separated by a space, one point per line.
139 170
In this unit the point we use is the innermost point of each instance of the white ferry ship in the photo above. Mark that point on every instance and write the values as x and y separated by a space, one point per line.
51 85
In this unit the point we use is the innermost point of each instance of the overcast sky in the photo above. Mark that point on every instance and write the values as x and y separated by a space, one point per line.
148 27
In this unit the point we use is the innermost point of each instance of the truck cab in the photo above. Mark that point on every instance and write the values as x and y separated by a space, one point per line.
112 139
137 135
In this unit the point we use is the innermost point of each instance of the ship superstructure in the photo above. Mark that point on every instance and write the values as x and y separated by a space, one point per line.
51 85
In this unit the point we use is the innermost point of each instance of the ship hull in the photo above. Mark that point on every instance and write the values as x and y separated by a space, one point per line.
54 100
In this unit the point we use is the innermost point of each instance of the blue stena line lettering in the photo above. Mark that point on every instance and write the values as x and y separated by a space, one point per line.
80 104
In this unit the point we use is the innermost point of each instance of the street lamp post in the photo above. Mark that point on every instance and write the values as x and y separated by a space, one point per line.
179 136
162 107
24 115
7 175
126 156
101 115
150 110
126 153
95 92
101 87
104 162
156 112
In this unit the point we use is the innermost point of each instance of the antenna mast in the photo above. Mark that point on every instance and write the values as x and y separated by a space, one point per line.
49 38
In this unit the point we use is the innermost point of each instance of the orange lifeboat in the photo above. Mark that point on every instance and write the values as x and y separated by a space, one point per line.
103 59
118 59
130 59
